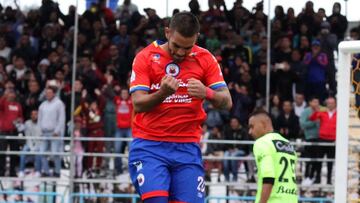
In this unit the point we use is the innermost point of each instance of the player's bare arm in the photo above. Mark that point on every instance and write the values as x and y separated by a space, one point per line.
221 97
143 101
265 193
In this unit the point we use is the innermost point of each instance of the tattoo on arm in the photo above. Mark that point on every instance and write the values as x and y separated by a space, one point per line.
222 104
223 100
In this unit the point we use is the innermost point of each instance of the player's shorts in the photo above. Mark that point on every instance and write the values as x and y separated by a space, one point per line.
168 169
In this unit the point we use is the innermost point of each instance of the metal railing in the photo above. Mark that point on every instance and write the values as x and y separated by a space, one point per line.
135 197
81 196
17 192
111 139
252 198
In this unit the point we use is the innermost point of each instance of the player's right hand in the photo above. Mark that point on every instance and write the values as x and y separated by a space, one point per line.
168 85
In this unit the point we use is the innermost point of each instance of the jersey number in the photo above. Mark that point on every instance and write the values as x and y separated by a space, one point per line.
201 184
284 161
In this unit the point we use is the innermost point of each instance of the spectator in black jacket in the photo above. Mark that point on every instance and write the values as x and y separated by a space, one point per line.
260 85
18 72
307 16
329 42
25 49
214 150
119 65
88 72
234 132
285 78
237 16
299 70
288 122
338 22
242 103
31 99
260 56
283 51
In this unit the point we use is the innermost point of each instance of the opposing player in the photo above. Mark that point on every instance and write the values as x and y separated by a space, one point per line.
275 160
169 83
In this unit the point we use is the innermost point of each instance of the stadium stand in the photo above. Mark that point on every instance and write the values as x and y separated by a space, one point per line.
36 49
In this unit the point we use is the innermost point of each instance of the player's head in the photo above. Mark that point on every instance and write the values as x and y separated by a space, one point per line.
260 124
314 102
182 34
287 106
331 103
34 115
124 93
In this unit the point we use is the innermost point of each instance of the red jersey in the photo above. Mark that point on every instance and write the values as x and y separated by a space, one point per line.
123 112
327 129
9 112
179 117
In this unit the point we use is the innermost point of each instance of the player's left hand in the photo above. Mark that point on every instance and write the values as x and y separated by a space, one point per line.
196 88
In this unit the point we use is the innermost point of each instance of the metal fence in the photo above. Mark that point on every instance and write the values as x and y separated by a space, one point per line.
81 196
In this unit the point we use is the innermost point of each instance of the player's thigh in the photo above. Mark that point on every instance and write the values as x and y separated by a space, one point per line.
187 184
149 173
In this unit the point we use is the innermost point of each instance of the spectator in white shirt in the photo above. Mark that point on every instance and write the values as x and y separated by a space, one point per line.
299 104
128 7
4 49
52 123
32 129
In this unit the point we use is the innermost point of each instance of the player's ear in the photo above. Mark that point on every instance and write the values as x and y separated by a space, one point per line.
263 124
167 33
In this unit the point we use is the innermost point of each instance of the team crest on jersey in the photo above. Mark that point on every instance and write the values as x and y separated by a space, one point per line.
193 54
172 69
156 58
141 179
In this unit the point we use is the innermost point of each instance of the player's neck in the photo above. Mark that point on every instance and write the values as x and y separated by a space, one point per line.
165 47
268 131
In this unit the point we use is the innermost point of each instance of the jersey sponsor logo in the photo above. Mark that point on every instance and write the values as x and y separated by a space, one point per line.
13 108
156 58
178 98
284 190
123 108
133 76
172 69
283 146
156 86
141 179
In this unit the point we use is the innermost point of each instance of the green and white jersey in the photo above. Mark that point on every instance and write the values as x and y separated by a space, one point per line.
276 158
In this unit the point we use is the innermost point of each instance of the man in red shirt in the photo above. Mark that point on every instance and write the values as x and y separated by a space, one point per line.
124 110
11 116
327 132
169 83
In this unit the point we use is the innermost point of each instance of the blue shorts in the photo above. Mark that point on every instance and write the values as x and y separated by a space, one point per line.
174 170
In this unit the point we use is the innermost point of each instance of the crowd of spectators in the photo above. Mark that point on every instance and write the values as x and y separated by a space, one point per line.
35 77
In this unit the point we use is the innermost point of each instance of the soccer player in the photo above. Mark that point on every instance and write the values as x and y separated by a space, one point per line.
169 82
275 160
